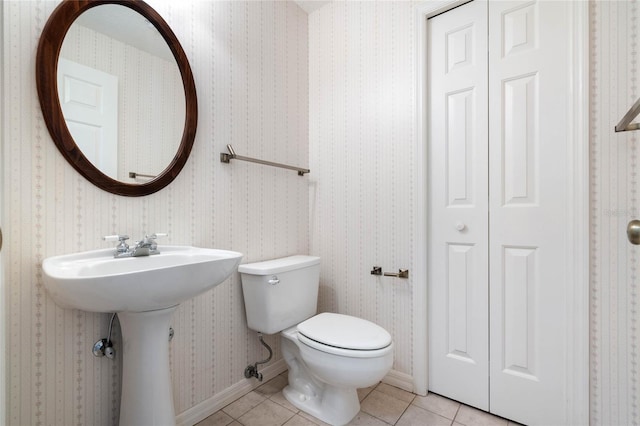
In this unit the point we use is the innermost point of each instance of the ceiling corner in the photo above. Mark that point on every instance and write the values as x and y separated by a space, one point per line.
310 6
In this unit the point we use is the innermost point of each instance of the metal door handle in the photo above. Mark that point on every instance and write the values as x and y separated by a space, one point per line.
633 231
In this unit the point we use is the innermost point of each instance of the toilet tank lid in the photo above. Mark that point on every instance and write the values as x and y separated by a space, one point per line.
277 266
344 331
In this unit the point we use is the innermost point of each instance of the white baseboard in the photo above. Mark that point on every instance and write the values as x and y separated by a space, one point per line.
209 406
399 380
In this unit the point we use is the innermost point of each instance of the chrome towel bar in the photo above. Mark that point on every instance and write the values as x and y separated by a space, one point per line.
226 157
402 273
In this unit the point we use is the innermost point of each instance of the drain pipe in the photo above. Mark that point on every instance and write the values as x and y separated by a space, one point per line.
252 370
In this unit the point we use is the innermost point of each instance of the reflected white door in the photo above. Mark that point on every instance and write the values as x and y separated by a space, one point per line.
89 100
522 318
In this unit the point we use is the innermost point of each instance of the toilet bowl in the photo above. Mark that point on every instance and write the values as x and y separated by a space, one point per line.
323 379
329 355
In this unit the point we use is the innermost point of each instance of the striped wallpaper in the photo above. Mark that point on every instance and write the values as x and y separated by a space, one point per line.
269 79
361 141
615 317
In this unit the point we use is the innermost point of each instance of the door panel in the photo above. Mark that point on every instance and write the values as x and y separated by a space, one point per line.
458 199
528 80
460 264
519 163
459 148
520 288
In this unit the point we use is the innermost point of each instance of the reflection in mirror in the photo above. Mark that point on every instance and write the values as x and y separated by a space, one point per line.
121 93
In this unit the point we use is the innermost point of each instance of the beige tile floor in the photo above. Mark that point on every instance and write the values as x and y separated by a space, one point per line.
380 405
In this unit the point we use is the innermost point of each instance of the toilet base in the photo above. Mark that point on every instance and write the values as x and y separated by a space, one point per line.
336 406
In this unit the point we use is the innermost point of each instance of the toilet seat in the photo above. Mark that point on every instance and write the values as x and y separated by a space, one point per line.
344 335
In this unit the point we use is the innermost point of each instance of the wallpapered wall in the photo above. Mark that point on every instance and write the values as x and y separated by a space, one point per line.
614 293
362 131
250 66
362 97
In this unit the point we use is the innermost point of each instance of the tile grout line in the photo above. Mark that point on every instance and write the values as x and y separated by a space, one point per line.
455 415
405 409
297 412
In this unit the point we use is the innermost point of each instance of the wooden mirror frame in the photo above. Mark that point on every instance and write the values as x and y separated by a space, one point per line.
47 55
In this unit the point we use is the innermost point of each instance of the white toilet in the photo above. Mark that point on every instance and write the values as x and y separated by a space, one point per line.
329 355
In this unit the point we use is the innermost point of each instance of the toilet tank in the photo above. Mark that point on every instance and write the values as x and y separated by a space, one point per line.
280 293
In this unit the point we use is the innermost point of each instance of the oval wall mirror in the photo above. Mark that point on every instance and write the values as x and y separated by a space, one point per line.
117 94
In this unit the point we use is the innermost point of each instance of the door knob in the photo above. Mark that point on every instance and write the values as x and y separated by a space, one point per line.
461 226
633 232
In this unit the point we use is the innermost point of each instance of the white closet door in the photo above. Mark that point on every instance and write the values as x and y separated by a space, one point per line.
458 203
497 324
528 104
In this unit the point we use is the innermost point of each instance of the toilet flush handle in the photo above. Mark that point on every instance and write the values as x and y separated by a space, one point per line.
274 280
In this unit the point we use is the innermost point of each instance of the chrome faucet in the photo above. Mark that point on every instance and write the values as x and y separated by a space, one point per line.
145 247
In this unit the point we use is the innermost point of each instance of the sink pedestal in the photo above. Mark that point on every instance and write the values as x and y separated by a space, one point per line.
146 380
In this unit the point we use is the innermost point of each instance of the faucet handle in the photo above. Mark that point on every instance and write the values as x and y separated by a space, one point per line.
152 240
122 246
115 237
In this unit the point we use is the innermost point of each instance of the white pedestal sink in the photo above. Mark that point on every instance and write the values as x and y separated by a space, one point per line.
145 292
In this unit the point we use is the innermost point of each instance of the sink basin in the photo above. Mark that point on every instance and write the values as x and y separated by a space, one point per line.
144 291
94 281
